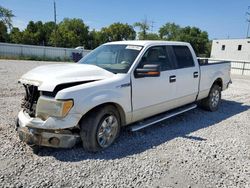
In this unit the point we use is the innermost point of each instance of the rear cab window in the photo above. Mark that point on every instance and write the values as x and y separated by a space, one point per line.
184 57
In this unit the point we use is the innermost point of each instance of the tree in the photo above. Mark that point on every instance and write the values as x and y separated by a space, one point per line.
16 36
144 27
6 16
36 33
197 38
30 34
48 28
114 32
152 36
118 32
70 33
3 32
169 31
95 39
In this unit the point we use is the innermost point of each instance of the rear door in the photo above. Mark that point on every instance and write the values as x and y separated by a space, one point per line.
152 95
187 75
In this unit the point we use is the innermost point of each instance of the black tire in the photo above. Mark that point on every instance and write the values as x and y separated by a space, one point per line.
94 128
35 149
212 102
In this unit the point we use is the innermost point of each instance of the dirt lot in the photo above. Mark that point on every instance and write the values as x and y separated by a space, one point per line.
196 149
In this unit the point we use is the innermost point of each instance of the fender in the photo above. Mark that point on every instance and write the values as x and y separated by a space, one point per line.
106 96
217 75
90 95
209 74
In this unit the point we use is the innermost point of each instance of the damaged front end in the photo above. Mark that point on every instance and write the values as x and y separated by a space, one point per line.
44 121
30 99
49 138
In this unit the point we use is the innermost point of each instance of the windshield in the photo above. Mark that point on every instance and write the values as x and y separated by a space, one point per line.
114 58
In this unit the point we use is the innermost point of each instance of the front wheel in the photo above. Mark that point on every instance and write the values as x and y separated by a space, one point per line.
212 102
100 128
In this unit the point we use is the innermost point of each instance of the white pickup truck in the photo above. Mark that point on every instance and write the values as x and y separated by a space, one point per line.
136 83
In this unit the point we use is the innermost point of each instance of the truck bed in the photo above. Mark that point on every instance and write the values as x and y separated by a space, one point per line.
211 69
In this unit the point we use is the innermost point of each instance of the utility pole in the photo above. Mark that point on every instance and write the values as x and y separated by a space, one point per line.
145 27
55 11
152 26
55 23
248 20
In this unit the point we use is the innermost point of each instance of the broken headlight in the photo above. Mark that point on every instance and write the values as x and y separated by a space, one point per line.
47 107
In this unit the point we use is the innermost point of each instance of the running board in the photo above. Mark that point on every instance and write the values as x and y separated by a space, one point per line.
158 118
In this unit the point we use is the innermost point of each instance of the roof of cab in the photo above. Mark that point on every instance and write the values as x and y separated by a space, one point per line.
148 42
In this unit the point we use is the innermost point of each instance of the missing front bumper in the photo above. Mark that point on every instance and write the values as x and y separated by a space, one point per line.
40 137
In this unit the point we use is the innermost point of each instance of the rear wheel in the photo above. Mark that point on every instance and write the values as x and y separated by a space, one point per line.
212 102
100 128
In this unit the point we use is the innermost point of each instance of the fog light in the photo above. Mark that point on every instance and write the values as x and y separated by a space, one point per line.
54 141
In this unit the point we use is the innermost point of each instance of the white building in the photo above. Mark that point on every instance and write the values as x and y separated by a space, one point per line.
231 49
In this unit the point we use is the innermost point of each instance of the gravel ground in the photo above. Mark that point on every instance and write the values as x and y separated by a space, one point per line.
196 149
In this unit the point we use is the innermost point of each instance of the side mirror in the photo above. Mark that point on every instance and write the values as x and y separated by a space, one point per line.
148 70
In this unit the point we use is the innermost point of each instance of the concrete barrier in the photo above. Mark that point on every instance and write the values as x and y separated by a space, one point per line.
17 50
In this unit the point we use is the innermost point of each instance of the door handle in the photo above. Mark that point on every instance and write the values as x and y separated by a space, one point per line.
172 78
196 74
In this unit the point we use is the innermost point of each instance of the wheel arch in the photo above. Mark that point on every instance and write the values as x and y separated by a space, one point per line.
218 82
116 105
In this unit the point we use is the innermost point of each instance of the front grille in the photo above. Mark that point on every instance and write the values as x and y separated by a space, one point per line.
30 99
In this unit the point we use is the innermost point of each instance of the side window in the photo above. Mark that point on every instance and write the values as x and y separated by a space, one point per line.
239 47
157 55
183 56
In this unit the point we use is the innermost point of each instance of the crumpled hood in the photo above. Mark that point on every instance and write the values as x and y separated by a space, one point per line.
47 77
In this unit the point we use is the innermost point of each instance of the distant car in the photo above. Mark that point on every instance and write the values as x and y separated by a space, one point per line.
115 85
79 48
77 54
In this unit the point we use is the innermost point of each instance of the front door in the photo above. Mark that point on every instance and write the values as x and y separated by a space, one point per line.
153 95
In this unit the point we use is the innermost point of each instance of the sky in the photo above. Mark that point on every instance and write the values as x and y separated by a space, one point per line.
220 18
